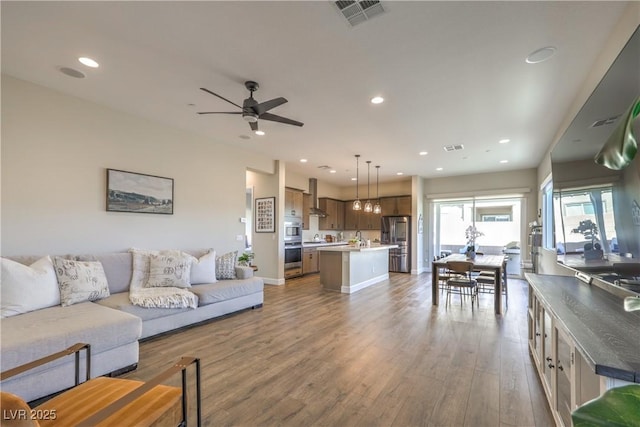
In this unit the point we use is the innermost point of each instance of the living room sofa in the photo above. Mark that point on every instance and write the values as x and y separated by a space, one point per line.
112 325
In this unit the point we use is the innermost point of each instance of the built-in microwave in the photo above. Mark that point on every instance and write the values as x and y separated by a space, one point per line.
292 231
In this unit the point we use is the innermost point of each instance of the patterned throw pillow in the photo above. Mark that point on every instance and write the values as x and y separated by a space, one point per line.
80 281
226 266
140 275
169 270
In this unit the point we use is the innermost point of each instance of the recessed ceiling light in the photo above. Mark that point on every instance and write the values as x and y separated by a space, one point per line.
303 160
504 141
332 171
377 100
260 132
88 62
354 179
399 173
541 55
504 161
439 169
423 153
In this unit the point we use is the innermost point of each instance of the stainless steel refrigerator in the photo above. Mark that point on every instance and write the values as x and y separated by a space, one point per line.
396 230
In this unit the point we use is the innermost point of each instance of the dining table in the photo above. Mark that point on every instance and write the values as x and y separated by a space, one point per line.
493 263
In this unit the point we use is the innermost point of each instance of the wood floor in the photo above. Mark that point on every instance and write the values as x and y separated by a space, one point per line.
383 356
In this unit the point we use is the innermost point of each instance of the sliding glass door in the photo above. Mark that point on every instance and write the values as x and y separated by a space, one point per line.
498 218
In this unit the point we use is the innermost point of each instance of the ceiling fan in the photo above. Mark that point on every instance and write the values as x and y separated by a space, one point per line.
252 110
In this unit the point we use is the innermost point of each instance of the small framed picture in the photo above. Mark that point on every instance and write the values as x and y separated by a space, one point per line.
137 192
265 215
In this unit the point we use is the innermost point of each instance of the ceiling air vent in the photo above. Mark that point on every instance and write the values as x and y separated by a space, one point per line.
603 122
357 12
453 147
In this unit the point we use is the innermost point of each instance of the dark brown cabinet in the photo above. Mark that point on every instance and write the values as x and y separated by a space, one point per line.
360 220
306 208
351 217
335 210
398 205
292 202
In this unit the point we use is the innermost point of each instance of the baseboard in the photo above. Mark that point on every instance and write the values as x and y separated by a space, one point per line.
271 281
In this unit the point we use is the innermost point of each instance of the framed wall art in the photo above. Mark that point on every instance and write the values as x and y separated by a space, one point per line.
265 215
137 192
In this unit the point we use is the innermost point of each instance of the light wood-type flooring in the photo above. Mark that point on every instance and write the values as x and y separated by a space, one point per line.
383 356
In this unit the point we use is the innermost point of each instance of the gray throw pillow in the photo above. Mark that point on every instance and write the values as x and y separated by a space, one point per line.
226 266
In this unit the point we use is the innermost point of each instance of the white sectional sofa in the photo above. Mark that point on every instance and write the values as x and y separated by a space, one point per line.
112 325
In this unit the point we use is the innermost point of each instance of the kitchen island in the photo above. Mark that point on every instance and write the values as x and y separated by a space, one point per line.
348 269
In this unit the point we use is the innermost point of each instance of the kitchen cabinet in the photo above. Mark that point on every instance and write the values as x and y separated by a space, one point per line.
351 217
579 353
335 210
306 208
397 205
310 262
293 202
369 221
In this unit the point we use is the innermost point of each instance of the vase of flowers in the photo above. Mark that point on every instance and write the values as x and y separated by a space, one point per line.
471 234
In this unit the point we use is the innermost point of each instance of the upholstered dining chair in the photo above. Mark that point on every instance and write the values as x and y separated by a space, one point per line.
461 282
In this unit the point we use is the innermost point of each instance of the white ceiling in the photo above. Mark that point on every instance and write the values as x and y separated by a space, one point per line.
451 73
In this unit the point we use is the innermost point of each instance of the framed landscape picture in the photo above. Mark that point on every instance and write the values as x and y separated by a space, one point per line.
265 215
137 192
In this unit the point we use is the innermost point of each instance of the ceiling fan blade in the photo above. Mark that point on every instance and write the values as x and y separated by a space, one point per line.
263 107
279 119
221 97
220 112
254 126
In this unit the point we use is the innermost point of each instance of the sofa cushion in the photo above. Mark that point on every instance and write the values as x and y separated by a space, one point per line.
80 281
121 302
169 271
226 289
39 333
117 267
226 266
203 269
27 288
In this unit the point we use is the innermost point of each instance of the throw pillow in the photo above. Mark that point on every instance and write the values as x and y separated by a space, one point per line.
226 266
80 281
28 287
203 269
140 274
169 270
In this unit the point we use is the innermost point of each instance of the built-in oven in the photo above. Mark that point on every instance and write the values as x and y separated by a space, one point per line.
292 230
292 259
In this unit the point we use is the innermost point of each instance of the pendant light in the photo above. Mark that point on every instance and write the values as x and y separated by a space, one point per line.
377 209
357 205
367 206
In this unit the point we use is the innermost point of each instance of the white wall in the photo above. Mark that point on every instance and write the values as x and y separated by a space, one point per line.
55 152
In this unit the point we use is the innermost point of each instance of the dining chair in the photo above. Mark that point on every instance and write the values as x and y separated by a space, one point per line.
487 282
461 282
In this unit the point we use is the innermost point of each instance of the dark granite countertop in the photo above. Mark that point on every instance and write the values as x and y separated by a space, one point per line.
607 336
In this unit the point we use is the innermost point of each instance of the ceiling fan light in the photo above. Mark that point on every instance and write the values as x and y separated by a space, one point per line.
250 117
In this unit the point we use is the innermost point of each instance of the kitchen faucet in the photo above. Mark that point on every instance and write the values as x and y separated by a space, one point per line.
359 235
316 238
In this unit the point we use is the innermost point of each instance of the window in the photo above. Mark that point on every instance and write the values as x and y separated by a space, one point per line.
547 216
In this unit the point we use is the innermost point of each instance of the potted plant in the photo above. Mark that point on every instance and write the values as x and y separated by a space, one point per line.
471 233
245 259
616 407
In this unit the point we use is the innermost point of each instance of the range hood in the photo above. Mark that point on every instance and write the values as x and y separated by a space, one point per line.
313 191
